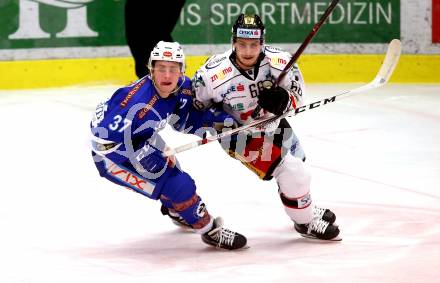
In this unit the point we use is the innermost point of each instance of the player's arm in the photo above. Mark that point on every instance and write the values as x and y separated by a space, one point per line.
209 120
106 127
201 90
189 119
141 146
203 115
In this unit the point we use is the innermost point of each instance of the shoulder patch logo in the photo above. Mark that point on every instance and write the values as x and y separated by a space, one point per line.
198 80
215 63
272 49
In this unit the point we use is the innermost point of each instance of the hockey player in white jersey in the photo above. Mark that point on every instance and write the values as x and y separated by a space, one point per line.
239 81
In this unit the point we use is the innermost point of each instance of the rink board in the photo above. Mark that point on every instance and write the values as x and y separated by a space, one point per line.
338 68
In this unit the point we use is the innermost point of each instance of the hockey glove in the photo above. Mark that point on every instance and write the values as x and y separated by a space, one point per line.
274 100
151 159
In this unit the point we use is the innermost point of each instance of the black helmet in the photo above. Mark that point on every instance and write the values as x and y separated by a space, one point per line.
248 26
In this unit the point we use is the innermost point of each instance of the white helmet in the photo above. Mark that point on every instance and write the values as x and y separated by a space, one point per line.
167 51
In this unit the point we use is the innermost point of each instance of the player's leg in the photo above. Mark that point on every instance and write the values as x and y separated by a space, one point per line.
126 175
294 188
167 209
281 156
179 195
176 189
294 180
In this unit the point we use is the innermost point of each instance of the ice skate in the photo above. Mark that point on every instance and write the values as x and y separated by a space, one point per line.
175 218
324 214
224 238
319 229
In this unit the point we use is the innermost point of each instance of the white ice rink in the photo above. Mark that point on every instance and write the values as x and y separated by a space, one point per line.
374 159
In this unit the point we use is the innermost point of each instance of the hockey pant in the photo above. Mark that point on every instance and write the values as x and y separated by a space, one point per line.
175 189
281 156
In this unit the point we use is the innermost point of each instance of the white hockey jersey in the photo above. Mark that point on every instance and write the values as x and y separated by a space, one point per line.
220 81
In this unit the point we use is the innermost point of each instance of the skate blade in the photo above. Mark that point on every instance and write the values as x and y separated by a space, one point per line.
228 250
236 250
335 239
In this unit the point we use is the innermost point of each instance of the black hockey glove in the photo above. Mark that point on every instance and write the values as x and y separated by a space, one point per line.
274 100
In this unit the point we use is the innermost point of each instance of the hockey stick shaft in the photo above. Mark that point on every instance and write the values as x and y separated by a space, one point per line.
301 49
383 75
307 40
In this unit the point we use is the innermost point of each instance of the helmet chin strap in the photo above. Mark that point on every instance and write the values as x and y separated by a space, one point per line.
174 91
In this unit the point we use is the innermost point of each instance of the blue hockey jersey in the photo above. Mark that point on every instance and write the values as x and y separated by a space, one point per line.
134 114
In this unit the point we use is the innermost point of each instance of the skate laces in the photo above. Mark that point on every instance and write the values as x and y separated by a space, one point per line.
318 212
318 225
222 235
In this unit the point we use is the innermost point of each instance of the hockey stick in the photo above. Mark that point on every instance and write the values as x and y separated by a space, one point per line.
383 75
300 50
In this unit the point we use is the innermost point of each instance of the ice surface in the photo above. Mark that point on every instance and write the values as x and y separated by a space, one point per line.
374 159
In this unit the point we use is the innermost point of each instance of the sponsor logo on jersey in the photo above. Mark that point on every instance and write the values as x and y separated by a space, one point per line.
148 107
232 88
277 61
248 33
238 107
215 63
132 181
186 91
222 74
132 92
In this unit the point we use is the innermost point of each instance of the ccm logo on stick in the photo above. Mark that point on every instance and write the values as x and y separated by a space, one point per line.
315 104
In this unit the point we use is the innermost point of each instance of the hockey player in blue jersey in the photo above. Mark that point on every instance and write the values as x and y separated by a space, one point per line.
127 149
